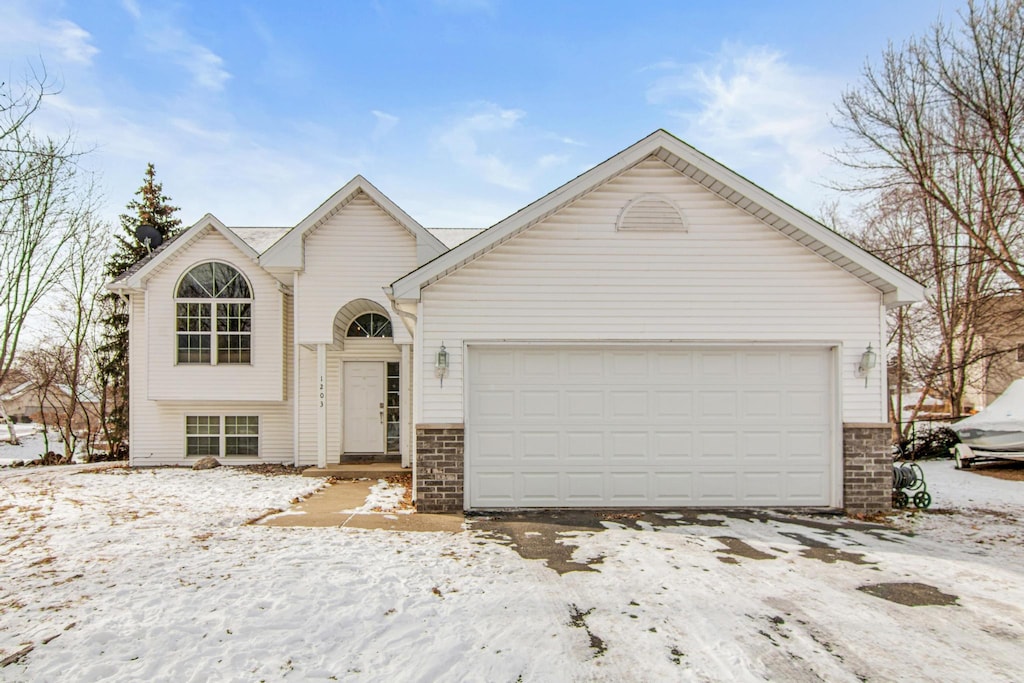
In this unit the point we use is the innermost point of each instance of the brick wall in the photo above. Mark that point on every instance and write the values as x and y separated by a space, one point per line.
867 468
439 467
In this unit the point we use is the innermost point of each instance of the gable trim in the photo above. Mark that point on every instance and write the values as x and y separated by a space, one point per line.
897 289
288 251
137 278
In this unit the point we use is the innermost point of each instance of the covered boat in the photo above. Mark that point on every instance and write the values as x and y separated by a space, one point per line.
1000 426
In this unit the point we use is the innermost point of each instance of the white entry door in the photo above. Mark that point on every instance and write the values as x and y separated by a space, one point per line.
601 427
364 407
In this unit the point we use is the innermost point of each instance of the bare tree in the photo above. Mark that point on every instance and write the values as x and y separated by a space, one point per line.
38 212
935 131
943 115
75 321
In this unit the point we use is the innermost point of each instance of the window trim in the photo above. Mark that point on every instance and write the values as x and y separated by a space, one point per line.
390 327
222 435
213 302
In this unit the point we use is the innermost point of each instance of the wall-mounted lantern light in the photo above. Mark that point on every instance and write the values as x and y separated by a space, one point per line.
441 364
867 362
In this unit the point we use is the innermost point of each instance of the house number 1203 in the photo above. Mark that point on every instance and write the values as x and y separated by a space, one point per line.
321 391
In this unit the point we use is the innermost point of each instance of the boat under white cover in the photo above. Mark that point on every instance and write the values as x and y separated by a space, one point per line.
1000 426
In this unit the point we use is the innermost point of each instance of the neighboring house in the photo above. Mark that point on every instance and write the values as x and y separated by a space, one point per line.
30 402
999 343
657 332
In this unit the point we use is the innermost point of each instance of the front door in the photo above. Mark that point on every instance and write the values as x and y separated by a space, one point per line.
364 407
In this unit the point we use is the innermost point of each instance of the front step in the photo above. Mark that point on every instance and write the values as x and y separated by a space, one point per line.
369 470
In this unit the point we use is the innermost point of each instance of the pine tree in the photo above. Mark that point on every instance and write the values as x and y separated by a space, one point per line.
150 207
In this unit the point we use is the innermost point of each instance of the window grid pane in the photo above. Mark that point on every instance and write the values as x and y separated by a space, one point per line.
233 348
202 435
241 435
393 412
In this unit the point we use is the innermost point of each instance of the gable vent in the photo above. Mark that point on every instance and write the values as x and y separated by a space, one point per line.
650 212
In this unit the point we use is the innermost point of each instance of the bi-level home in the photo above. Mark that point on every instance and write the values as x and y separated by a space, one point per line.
657 332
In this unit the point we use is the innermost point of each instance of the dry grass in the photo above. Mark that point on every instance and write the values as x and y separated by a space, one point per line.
1012 471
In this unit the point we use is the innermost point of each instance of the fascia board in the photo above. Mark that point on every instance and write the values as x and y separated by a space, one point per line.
137 280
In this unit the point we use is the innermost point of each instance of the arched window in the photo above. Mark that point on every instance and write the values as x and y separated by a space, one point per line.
214 311
370 325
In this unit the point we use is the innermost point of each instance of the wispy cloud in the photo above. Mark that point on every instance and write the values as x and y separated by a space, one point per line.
163 36
69 41
463 141
756 110
385 123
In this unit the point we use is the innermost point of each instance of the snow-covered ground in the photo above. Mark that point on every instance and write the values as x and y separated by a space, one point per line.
32 445
153 575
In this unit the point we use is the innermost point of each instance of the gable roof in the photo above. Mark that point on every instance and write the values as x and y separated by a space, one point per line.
287 252
897 288
134 277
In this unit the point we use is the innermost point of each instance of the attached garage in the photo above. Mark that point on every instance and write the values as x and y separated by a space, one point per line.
657 332
626 425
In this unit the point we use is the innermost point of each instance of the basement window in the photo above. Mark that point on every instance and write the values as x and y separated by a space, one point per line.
227 436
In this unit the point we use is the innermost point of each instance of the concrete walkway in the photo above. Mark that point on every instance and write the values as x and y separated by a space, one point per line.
334 505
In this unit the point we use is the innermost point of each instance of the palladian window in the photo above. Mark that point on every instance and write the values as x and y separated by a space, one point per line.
214 316
370 325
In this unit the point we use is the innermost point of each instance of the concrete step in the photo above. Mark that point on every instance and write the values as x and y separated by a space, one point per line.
369 470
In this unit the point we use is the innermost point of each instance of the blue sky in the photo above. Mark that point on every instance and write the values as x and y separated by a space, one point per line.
462 111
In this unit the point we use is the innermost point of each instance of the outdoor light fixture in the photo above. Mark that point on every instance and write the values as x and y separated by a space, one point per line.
867 361
441 364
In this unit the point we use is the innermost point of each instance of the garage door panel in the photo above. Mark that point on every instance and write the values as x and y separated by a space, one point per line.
539 488
493 447
539 405
629 488
582 366
539 365
627 404
673 488
540 446
494 405
585 488
717 446
670 448
717 488
807 446
495 489
591 426
628 446
718 405
764 487
804 488
584 446
673 406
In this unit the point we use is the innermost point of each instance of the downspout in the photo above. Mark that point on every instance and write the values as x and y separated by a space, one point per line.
295 371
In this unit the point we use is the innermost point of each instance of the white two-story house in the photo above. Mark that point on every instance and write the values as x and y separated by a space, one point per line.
657 332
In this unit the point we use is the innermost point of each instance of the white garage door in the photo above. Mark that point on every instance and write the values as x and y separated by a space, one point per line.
595 427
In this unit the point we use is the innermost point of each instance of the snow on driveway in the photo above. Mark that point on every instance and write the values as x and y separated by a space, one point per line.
153 575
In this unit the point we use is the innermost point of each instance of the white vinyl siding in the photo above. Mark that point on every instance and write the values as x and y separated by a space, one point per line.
728 278
258 380
353 255
158 435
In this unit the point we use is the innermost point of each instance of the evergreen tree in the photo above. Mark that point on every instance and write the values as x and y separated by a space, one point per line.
149 207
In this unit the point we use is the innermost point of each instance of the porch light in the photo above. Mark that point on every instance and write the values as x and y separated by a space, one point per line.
867 362
441 364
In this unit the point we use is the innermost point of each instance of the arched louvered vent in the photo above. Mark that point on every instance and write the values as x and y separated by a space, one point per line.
650 212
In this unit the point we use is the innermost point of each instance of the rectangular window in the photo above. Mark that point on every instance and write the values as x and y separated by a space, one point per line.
194 333
240 436
201 327
234 332
394 412
202 435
